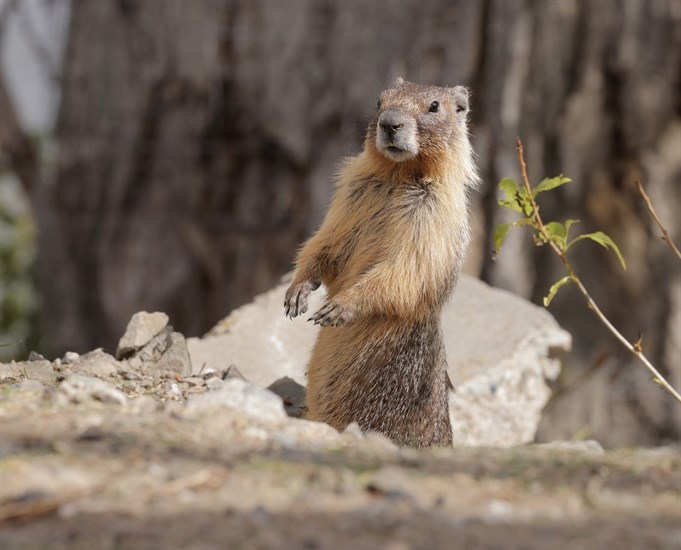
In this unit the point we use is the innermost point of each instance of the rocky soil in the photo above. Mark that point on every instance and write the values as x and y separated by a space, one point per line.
152 449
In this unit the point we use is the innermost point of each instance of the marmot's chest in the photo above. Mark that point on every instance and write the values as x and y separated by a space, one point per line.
391 218
401 212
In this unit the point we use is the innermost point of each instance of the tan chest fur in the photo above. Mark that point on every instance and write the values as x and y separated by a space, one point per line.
416 229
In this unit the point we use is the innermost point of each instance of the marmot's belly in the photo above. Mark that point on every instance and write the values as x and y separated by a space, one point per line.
386 375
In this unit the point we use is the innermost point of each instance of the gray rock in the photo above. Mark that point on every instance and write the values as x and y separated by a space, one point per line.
70 357
40 370
195 381
172 390
239 395
389 481
95 363
175 360
32 386
307 433
143 404
292 394
153 350
501 351
11 372
164 356
353 430
141 329
214 383
232 371
81 389
35 356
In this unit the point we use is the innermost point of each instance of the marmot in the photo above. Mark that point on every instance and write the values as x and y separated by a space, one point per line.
390 251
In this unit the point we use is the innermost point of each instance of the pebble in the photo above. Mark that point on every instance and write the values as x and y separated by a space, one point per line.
70 357
214 383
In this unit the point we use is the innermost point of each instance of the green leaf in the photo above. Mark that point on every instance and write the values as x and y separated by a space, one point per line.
605 241
509 186
568 225
512 205
499 235
550 183
557 233
555 288
510 189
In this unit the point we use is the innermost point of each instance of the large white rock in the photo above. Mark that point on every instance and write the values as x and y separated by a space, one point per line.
501 351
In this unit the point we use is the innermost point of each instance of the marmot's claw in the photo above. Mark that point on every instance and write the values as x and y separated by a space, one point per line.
332 314
296 298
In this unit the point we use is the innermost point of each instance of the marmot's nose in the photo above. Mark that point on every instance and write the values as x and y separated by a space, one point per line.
391 121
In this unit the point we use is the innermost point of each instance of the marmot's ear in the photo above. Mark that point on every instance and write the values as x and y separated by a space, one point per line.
398 82
460 97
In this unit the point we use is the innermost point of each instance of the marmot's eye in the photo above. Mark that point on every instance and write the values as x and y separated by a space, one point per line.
460 108
378 104
434 107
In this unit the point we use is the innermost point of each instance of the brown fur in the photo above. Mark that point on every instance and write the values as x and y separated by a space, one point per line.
389 252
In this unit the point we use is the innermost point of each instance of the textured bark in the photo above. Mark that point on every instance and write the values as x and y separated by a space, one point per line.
198 141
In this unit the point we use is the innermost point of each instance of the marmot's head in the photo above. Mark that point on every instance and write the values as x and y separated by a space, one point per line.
419 123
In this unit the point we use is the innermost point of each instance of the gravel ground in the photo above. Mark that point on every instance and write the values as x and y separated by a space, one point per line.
153 473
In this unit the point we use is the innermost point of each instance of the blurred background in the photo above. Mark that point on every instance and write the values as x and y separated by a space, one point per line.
171 155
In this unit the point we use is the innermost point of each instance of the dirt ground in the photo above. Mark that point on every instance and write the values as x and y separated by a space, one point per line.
149 475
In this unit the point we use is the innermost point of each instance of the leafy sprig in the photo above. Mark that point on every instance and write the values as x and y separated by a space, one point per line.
522 198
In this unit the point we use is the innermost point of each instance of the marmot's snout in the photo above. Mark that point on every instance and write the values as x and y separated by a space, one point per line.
396 135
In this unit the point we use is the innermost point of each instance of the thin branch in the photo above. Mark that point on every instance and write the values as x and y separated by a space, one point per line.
649 204
636 348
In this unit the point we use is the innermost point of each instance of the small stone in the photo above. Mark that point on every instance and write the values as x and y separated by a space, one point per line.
41 371
292 394
214 383
172 390
31 386
130 375
143 404
312 432
96 363
156 347
130 386
389 481
141 329
70 357
195 381
10 371
236 394
354 430
79 389
35 356
175 360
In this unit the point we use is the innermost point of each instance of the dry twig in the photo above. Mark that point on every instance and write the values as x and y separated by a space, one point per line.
649 204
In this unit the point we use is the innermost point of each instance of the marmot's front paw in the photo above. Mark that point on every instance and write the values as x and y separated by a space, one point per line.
296 297
333 314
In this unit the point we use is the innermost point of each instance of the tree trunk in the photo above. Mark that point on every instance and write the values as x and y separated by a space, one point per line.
198 141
